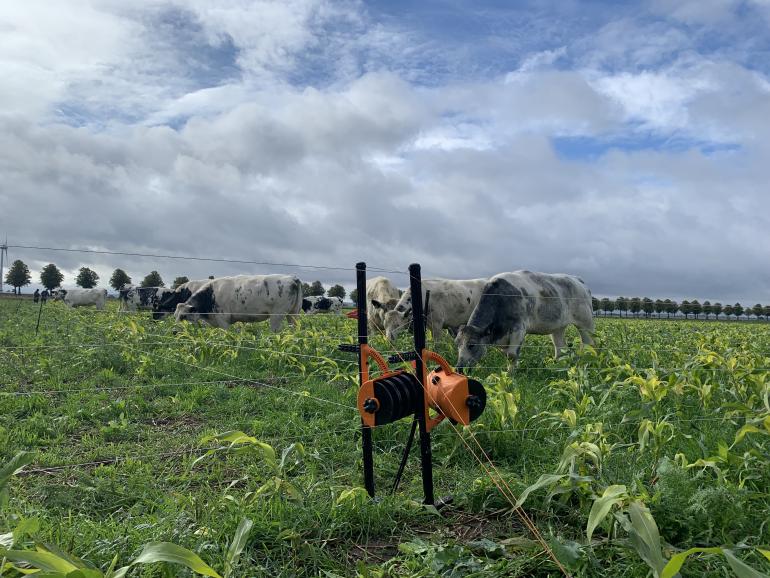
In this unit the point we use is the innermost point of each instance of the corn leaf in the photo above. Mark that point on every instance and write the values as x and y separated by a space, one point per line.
542 481
237 545
741 569
601 507
167 552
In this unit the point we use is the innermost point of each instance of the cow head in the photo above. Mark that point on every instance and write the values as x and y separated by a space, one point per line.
186 312
384 307
59 294
398 319
471 346
306 305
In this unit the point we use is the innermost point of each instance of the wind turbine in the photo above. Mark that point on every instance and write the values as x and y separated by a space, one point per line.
3 255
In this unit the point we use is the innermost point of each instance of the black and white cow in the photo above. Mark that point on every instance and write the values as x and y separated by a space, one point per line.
166 304
381 297
135 298
521 302
450 305
82 297
247 298
319 304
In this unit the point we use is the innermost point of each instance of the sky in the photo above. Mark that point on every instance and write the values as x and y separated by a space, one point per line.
624 142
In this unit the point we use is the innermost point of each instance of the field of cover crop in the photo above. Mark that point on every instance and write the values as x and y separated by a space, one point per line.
647 455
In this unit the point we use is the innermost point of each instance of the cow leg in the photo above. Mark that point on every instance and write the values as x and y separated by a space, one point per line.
558 341
586 336
436 326
515 339
276 321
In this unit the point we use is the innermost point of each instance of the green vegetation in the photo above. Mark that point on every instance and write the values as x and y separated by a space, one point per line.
87 278
51 277
119 279
153 279
18 275
648 452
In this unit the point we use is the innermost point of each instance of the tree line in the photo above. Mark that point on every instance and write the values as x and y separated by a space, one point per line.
646 307
51 277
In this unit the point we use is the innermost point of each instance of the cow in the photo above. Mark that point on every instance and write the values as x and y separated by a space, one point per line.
521 302
82 297
248 298
319 304
381 297
450 305
135 298
166 304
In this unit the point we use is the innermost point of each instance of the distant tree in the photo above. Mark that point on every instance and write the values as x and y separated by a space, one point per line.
737 310
316 289
648 306
635 306
673 307
684 307
707 308
306 289
179 281
621 303
696 308
595 305
766 312
51 277
758 310
354 295
728 310
18 276
153 279
608 306
119 279
660 307
87 278
337 291
716 309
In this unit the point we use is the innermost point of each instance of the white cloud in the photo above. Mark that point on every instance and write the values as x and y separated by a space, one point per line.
275 163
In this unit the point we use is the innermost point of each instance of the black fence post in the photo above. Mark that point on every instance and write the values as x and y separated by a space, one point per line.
418 315
39 313
363 339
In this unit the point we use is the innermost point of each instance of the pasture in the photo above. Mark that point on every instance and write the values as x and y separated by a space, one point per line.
122 414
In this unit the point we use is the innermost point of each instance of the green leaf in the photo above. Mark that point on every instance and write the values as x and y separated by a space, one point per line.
352 495
602 506
645 536
167 552
14 466
677 560
237 545
746 429
42 560
741 569
765 553
542 481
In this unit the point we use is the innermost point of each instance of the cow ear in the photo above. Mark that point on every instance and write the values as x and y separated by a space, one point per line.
376 304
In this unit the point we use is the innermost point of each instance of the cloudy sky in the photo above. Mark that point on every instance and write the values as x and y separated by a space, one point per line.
626 142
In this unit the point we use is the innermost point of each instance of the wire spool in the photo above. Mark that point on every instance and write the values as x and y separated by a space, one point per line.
390 398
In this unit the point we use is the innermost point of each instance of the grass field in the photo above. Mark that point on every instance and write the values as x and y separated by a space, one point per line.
667 420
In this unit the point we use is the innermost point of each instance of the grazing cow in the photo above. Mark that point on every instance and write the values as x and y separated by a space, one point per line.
82 297
450 305
381 297
135 298
521 302
248 298
320 304
166 304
